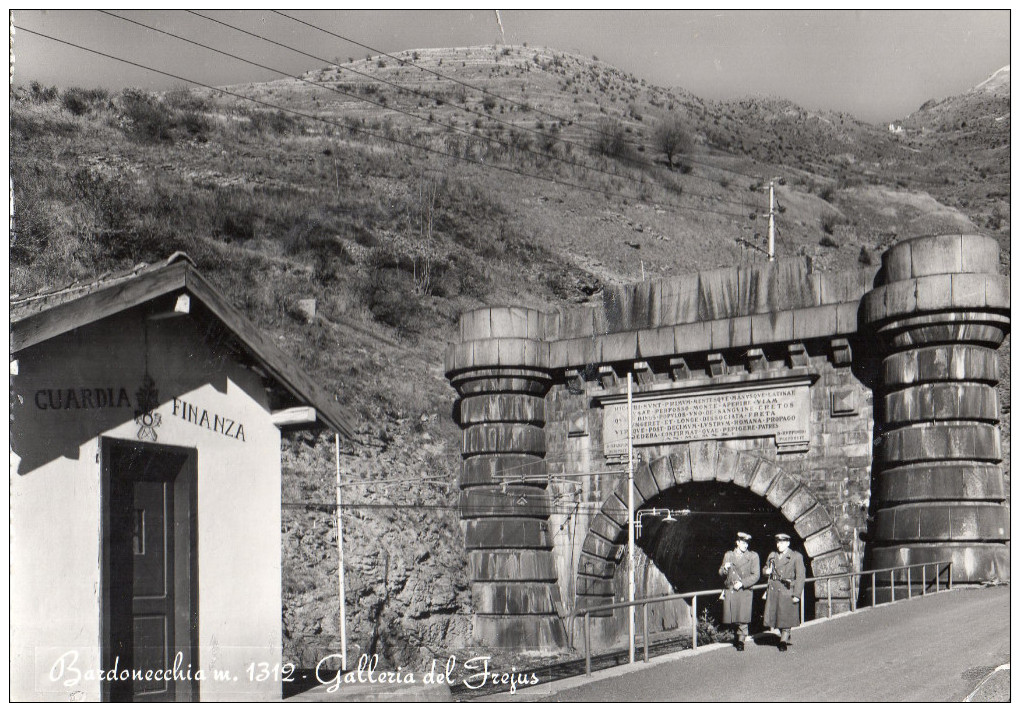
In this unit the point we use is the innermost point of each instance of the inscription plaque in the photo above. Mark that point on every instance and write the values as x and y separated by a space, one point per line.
782 413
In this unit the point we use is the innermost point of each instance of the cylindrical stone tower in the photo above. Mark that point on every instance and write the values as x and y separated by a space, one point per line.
938 493
500 368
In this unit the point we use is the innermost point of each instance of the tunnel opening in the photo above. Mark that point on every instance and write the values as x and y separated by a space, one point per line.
690 550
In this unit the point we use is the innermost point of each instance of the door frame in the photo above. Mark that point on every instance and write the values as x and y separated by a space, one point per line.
185 560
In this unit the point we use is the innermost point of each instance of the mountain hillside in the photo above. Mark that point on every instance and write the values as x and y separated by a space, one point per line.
397 199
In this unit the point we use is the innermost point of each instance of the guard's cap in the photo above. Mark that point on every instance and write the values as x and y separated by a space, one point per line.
744 536
782 537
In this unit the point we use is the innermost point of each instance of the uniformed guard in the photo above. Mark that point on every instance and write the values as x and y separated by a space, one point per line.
741 570
785 569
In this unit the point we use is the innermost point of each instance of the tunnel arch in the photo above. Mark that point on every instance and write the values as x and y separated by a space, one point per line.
699 463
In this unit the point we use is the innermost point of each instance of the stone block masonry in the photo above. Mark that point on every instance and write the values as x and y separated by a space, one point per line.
855 410
500 369
941 312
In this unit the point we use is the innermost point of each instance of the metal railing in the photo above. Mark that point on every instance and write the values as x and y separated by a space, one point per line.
940 568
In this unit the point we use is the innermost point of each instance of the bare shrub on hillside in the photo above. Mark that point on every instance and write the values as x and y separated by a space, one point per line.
671 183
26 126
80 101
78 223
116 219
180 113
390 297
521 143
420 230
196 124
611 139
183 98
272 122
42 93
997 218
829 221
150 120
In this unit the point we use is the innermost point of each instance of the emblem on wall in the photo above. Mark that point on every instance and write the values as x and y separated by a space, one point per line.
147 397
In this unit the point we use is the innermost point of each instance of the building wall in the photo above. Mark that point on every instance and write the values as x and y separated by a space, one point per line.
55 499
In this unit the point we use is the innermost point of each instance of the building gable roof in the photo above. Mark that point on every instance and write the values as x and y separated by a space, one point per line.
33 322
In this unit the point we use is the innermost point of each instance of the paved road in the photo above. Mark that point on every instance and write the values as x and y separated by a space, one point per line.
938 648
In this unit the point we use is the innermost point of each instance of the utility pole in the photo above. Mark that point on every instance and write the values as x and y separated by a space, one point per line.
340 569
630 515
772 220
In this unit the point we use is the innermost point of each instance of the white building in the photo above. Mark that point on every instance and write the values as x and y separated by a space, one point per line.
145 491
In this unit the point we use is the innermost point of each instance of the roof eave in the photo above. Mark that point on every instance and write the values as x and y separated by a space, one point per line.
105 302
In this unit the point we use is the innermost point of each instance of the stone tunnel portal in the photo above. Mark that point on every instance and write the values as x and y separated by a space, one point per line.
858 402
689 551
726 491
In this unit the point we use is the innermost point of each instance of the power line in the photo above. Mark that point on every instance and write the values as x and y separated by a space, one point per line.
340 91
441 480
578 509
383 137
436 73
497 96
459 453
517 476
379 104
443 76
399 87
415 91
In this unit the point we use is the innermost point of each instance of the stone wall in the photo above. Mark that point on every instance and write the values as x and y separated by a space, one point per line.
408 595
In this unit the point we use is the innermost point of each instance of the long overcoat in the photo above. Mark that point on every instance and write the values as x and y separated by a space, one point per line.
745 569
780 610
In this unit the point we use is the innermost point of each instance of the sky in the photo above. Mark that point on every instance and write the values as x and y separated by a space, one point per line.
876 65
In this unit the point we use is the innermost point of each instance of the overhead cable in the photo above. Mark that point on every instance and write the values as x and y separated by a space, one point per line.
497 96
399 87
394 140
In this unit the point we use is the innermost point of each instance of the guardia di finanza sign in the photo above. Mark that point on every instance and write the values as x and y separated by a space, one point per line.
782 413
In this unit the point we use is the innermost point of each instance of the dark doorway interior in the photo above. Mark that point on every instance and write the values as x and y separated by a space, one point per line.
150 601
690 551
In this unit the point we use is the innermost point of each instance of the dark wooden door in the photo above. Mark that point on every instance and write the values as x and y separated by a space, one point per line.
149 544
